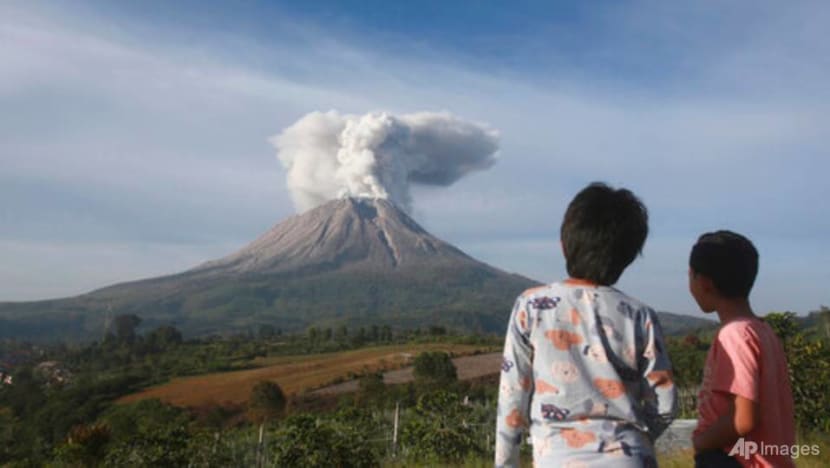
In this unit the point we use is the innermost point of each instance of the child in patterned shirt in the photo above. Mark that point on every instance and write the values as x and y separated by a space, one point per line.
584 365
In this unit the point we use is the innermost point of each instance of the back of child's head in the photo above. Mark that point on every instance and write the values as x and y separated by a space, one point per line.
602 232
728 259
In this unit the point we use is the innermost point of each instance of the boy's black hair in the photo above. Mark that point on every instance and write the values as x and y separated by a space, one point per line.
728 259
602 232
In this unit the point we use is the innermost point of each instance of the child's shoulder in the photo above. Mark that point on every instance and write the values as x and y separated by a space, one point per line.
740 328
627 306
631 301
751 330
550 295
545 296
556 292
535 291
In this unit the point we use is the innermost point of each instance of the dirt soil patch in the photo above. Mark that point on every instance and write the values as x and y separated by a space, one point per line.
295 374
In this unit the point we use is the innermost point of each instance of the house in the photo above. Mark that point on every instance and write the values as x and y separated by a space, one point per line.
53 373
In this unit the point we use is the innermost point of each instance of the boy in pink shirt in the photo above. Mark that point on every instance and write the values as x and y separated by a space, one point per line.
745 404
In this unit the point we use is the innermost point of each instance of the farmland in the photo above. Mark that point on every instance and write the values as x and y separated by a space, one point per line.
294 374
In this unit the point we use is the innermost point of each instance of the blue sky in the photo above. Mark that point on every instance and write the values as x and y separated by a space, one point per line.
133 135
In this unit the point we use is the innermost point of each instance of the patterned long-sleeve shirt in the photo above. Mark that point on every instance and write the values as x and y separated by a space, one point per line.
586 369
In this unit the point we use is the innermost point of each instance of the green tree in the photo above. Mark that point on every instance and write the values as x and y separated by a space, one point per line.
342 334
313 335
823 322
266 332
688 358
784 324
125 326
438 430
386 333
85 446
436 330
305 440
266 403
809 365
163 338
370 388
434 368
148 434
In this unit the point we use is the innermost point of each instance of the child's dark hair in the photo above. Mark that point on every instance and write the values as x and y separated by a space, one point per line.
603 232
728 259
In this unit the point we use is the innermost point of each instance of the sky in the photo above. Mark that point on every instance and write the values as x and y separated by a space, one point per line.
134 136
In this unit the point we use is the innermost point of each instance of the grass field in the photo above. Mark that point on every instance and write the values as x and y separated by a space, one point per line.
294 374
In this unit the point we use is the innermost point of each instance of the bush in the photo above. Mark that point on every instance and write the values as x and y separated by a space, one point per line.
370 389
434 368
266 403
86 445
809 365
148 434
152 447
688 359
307 441
438 431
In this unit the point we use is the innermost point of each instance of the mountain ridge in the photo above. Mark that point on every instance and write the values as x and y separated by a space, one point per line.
343 261
355 262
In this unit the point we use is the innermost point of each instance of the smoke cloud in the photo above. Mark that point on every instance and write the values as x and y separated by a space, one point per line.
378 155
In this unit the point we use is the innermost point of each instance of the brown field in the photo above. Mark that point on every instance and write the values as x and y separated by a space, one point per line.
295 374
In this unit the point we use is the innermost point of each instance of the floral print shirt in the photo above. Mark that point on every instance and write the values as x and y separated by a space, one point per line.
586 369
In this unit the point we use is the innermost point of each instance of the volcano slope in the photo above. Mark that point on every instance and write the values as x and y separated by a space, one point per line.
353 262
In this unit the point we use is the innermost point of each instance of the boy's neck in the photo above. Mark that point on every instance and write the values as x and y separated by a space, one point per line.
580 282
731 309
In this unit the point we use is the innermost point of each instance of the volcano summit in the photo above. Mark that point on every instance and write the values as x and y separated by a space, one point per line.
354 234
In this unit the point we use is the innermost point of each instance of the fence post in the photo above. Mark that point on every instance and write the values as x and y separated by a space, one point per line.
395 430
259 445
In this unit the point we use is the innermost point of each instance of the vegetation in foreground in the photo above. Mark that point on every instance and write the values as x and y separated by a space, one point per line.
60 416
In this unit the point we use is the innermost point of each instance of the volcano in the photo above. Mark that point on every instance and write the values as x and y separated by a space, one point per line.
359 235
351 262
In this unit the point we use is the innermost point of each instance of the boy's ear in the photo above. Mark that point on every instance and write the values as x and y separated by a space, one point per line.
562 246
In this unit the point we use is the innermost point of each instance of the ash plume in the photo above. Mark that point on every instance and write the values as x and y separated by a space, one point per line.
378 155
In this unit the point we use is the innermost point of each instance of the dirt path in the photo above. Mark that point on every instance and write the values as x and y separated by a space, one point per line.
468 367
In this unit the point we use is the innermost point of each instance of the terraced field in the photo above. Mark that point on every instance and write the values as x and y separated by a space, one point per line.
295 374
468 367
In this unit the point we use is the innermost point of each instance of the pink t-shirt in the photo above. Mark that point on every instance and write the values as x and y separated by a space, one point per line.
747 359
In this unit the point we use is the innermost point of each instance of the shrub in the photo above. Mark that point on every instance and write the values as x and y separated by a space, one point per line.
809 365
434 368
86 445
370 388
267 402
438 431
305 440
